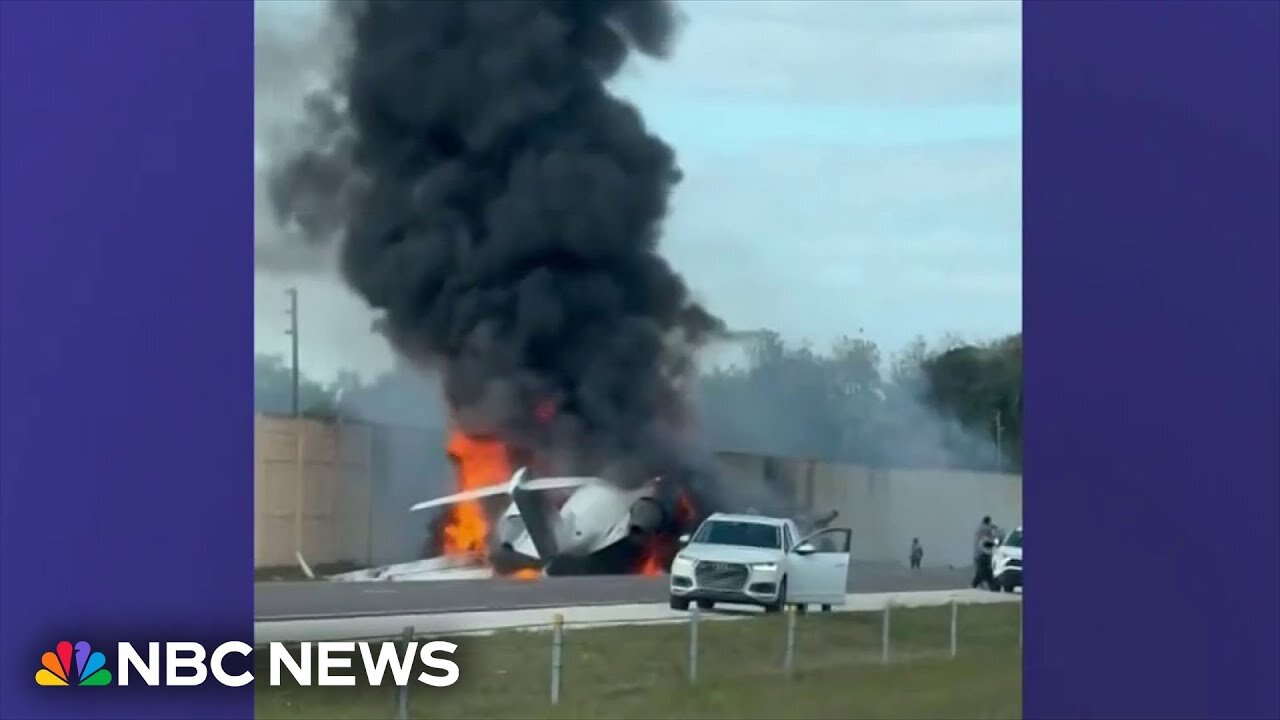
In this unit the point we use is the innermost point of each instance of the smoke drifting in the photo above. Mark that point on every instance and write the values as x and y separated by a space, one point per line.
503 211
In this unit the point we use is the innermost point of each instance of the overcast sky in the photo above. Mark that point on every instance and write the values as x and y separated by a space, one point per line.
848 164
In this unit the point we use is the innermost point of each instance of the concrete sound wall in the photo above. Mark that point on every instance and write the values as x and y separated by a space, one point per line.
944 509
311 492
887 508
354 484
343 494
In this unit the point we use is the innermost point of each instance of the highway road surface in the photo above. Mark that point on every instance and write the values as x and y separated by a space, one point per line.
287 600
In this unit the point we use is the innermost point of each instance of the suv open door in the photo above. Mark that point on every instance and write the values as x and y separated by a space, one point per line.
818 568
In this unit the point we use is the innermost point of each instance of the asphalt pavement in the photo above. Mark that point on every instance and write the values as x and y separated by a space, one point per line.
289 600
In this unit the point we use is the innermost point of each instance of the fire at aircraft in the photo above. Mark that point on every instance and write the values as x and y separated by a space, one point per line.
522 525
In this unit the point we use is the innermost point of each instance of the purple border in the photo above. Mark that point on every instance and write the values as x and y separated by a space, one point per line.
1152 253
126 360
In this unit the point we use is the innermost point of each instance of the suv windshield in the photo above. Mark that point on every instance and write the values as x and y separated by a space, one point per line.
1015 539
750 534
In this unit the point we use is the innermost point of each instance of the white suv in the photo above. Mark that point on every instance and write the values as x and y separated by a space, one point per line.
1006 561
757 560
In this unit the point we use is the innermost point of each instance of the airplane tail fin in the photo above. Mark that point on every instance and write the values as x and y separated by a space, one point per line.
540 518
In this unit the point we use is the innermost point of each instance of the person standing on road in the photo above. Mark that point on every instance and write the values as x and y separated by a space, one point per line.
984 544
917 553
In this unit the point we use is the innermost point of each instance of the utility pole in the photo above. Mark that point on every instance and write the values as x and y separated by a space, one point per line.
292 332
999 444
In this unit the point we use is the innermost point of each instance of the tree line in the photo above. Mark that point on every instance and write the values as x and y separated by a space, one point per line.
950 404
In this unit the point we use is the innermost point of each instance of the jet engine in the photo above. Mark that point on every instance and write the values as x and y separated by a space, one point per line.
648 516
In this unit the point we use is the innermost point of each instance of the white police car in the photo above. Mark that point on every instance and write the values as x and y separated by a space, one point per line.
1007 561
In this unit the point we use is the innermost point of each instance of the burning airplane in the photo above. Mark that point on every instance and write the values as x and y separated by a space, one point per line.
523 524
598 529
530 526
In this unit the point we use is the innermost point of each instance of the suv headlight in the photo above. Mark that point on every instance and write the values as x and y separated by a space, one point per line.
764 567
681 565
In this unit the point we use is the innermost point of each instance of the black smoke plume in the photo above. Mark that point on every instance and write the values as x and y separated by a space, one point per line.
503 211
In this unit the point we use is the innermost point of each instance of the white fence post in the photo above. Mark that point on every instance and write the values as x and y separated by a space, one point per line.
402 692
694 616
557 653
789 655
955 611
884 633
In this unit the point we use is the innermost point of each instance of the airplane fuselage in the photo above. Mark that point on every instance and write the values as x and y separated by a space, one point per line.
592 518
598 528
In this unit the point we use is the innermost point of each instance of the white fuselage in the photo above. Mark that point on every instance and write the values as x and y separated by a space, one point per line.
594 517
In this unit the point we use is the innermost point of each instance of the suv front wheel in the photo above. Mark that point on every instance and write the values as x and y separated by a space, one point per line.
781 602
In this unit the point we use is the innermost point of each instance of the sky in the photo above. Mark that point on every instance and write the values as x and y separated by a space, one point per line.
852 167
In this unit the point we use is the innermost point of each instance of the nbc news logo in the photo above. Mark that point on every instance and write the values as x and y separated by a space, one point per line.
90 667
184 664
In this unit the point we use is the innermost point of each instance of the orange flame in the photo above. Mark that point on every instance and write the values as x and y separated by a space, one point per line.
526 574
684 509
480 463
652 565
661 547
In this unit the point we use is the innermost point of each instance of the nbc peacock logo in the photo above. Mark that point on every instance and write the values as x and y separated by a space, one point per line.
90 666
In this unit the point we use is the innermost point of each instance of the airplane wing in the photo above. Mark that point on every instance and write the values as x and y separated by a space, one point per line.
517 481
823 522
464 496
556 483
